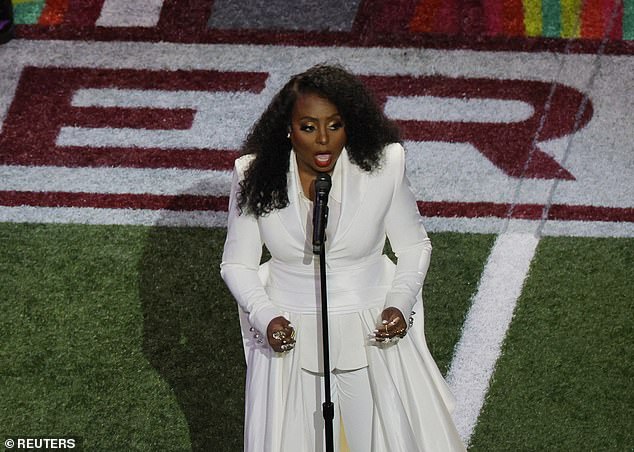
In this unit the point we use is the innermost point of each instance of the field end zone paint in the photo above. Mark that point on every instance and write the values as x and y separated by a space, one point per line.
126 13
397 24
440 171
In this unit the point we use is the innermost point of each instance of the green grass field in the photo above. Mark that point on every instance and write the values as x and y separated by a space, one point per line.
564 380
127 338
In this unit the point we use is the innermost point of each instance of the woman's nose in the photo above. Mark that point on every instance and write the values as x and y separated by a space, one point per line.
322 136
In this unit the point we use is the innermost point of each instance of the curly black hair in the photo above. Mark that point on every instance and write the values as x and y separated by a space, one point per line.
368 131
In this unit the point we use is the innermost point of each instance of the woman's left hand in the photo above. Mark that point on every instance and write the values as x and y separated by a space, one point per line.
392 326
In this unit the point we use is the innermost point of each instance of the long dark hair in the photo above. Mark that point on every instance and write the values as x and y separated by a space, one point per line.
368 130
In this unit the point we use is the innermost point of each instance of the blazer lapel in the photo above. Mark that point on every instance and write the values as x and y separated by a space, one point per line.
353 189
290 216
353 182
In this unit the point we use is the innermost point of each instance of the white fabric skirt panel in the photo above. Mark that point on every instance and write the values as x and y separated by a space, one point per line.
276 402
412 402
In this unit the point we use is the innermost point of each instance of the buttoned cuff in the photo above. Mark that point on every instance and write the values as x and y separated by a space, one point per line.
402 302
261 318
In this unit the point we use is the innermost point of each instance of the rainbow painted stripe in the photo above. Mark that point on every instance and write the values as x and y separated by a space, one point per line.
41 12
585 19
570 19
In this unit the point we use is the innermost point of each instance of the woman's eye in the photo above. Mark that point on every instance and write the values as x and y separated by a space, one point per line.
336 126
307 128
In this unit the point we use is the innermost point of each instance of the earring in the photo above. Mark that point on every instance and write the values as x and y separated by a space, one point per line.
288 135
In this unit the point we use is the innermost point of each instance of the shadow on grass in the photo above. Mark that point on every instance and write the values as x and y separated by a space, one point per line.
191 334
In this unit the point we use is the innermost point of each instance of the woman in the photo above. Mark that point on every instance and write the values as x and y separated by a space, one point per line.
387 390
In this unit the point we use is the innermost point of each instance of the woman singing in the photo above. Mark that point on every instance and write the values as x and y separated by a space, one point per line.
387 390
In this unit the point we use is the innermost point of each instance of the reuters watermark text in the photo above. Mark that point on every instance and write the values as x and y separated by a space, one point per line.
41 444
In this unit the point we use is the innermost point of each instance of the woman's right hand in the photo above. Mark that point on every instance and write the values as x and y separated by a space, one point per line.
281 334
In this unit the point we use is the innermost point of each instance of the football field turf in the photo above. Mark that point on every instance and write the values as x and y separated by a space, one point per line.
125 337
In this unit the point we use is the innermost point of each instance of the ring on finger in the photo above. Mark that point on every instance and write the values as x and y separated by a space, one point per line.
279 335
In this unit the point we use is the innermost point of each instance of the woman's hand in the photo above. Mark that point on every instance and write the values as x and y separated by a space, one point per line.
392 326
280 334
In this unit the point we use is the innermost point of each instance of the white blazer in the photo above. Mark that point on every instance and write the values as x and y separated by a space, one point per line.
373 206
410 398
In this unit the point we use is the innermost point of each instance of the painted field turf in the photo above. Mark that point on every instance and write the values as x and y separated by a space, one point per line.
589 19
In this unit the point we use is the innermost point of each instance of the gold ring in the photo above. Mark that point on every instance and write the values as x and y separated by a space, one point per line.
279 335
386 331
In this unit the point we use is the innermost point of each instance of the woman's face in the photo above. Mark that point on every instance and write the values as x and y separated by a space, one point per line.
318 134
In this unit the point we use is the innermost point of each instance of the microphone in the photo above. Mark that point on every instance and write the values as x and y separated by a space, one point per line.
320 210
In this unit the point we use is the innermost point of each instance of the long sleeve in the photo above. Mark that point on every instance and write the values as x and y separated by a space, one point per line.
409 242
241 260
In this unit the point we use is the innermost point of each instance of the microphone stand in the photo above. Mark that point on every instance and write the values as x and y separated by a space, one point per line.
328 407
319 247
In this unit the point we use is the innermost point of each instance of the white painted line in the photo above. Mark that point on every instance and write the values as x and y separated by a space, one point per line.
130 13
453 109
486 324
133 217
484 225
588 229
552 228
157 181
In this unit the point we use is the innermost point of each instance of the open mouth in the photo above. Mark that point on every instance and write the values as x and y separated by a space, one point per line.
323 159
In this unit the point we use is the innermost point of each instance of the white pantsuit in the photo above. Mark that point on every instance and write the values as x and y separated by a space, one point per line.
411 403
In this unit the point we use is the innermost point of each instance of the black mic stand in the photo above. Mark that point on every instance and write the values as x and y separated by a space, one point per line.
319 247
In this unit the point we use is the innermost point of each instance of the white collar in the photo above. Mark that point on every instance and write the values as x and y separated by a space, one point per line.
336 176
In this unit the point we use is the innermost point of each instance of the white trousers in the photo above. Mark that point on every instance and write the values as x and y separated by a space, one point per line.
352 399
